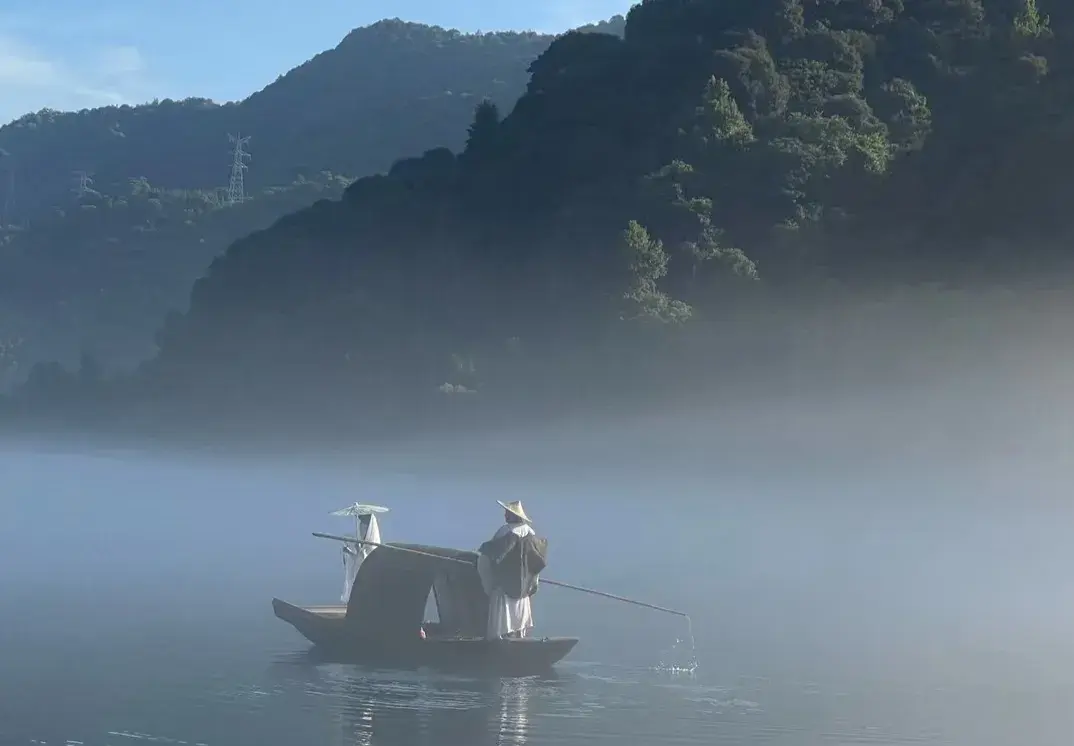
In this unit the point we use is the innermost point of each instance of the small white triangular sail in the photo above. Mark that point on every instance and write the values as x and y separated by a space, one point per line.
354 553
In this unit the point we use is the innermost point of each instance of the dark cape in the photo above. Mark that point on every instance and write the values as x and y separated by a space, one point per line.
516 562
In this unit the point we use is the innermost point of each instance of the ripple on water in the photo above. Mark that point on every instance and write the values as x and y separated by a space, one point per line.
288 702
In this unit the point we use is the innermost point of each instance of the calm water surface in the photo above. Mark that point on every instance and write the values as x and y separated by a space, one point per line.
136 610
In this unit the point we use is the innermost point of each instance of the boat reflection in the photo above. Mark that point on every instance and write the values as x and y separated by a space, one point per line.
391 708
514 711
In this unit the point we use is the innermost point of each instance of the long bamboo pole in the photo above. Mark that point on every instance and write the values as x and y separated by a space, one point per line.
557 583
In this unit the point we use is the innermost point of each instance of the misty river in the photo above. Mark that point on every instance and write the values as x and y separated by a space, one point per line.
828 608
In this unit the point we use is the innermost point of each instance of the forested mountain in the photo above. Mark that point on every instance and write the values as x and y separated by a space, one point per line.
386 90
96 265
101 273
626 225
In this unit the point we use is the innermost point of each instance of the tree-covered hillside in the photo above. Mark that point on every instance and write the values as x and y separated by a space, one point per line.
627 223
386 90
96 265
101 272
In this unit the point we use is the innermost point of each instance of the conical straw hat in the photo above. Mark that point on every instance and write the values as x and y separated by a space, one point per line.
515 507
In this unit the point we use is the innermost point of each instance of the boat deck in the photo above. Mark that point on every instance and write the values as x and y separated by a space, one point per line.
329 611
336 612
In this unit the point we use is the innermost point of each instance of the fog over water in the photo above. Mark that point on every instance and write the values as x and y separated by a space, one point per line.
887 564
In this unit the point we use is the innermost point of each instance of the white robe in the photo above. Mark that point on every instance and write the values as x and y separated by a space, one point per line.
354 555
506 615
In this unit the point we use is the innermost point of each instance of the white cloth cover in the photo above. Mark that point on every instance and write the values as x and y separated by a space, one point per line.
506 615
355 554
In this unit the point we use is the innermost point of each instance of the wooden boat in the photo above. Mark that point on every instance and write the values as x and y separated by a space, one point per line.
383 624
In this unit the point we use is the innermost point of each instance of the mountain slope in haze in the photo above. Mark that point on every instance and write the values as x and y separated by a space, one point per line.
386 90
603 241
100 274
97 269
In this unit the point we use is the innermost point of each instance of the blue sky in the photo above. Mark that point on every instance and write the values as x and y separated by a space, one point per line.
73 54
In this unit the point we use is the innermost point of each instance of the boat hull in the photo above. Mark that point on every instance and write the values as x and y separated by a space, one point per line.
326 629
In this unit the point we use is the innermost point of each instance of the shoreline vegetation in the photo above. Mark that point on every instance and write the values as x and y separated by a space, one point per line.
727 201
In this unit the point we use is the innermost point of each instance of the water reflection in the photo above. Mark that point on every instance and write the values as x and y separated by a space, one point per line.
514 711
388 708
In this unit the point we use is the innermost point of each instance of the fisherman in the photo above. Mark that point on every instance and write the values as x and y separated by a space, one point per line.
354 553
509 565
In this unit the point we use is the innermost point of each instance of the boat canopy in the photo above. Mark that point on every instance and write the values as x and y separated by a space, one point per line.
392 589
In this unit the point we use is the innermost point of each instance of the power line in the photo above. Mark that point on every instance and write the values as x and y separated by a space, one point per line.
236 189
